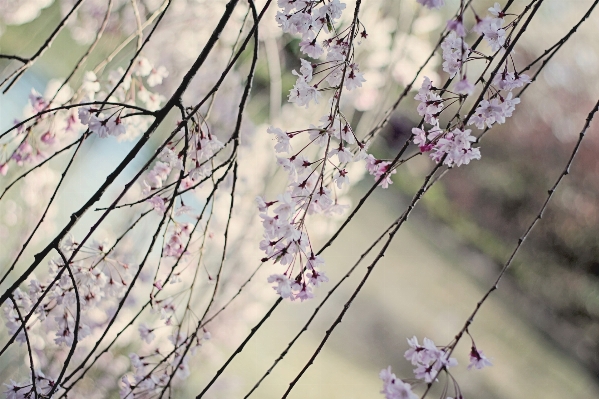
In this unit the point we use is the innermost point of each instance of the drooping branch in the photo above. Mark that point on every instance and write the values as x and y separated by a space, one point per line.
521 240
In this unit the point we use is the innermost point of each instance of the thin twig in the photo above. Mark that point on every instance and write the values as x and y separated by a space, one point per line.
31 60
77 324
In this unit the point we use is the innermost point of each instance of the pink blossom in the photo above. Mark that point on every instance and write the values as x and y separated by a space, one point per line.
156 76
316 277
394 388
464 87
283 287
146 333
158 204
302 93
457 26
478 360
311 48
354 77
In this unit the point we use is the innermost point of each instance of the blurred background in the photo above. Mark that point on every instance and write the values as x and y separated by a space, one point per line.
540 329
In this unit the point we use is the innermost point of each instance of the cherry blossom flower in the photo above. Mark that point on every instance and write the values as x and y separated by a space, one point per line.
156 76
421 354
478 360
283 142
317 277
510 80
152 100
314 261
457 26
496 10
262 205
15 390
304 292
487 113
394 388
464 87
428 359
285 207
455 53
302 93
377 168
300 22
283 20
142 67
341 178
354 77
509 106
426 372
158 204
431 104
333 9
343 153
90 84
492 31
306 71
311 48
287 5
455 147
420 139
104 127
283 287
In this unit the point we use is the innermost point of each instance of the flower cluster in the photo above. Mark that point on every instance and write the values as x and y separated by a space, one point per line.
491 28
127 89
455 50
453 146
103 125
309 19
50 118
494 111
24 390
311 190
100 278
32 142
176 243
153 373
286 240
394 388
201 148
378 168
430 361
312 181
